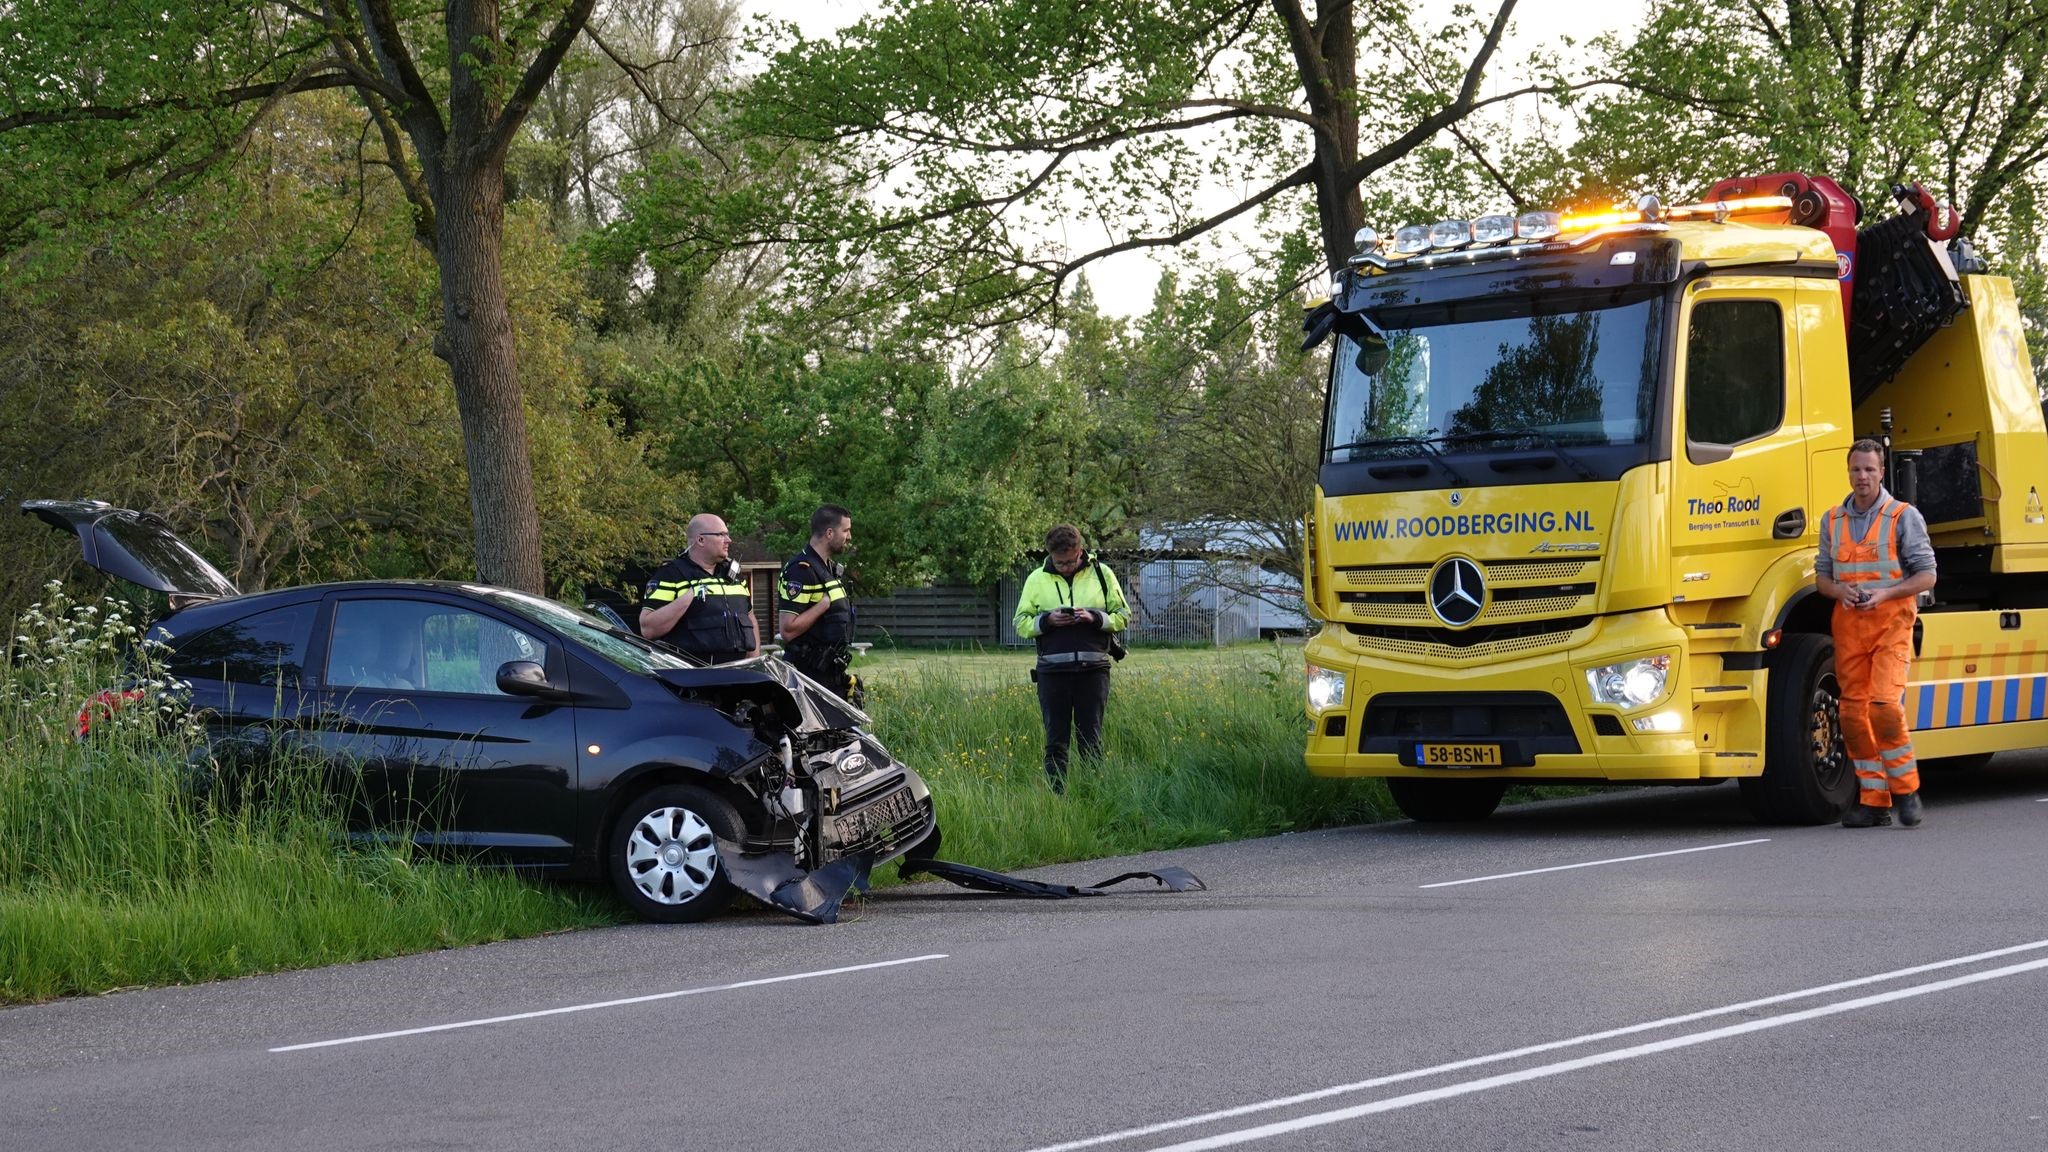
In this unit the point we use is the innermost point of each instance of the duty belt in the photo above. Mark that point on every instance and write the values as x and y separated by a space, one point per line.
1074 659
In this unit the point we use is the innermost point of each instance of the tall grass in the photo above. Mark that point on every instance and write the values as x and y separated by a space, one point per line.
115 870
1196 750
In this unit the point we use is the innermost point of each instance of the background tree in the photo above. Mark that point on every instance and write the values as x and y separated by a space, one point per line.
256 365
121 102
938 145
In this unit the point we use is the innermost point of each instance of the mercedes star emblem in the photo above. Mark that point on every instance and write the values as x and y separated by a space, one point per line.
1457 591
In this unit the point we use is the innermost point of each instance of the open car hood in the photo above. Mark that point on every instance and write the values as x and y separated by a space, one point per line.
138 547
806 704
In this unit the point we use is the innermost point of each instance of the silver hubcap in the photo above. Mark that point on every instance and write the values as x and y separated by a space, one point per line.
672 856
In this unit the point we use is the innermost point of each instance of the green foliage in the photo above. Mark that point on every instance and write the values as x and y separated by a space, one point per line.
917 165
258 366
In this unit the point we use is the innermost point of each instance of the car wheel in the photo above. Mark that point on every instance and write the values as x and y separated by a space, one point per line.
663 854
1806 777
1445 801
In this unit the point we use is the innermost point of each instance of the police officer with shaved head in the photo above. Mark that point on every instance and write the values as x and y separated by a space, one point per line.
699 602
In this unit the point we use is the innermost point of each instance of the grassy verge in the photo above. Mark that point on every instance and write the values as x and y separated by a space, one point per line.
1199 746
113 874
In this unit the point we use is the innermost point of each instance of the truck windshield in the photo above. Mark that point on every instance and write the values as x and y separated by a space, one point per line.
1474 375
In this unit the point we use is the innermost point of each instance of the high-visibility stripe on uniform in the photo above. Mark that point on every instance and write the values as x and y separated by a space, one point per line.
667 591
812 593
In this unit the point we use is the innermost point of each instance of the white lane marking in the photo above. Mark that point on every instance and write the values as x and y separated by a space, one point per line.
1536 1049
1596 863
610 1003
1543 1071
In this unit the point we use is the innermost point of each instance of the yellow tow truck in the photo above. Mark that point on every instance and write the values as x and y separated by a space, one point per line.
1574 468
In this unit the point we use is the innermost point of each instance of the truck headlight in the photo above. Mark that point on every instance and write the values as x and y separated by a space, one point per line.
1325 689
1632 683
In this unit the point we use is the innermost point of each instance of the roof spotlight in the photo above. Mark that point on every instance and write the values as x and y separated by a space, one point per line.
1450 234
1493 229
1366 239
1538 225
1411 239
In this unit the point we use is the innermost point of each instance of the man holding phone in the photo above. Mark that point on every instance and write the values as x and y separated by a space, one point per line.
1071 606
1875 560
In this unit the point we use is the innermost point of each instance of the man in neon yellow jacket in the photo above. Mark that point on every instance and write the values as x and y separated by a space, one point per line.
1072 606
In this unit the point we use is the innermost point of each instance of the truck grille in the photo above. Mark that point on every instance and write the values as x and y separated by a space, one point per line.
1471 645
1517 592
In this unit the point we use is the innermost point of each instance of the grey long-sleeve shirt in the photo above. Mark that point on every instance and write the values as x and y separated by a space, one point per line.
1915 549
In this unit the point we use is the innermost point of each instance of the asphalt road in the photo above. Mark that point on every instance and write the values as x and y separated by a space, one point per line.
1630 971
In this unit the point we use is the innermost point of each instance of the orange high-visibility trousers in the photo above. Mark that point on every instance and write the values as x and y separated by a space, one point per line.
1873 653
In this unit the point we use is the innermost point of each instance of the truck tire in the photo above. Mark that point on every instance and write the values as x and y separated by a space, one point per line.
1806 777
1445 801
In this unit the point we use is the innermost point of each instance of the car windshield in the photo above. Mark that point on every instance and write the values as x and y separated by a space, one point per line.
593 632
1484 373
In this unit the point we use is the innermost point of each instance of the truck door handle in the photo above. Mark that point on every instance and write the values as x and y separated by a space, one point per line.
1789 525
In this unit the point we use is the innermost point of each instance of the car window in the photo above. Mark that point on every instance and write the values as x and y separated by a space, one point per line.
417 645
267 648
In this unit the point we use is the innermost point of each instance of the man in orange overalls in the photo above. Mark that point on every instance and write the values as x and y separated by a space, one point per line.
1875 560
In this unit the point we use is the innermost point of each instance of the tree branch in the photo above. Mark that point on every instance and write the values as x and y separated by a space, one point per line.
225 99
539 71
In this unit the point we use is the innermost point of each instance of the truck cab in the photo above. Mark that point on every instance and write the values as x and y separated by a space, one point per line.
1572 481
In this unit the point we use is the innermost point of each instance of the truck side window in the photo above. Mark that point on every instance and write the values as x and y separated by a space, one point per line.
1735 371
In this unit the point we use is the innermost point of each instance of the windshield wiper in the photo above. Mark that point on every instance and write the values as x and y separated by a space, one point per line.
1547 440
1426 443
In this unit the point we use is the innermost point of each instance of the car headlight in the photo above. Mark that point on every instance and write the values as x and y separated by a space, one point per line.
1632 683
1325 689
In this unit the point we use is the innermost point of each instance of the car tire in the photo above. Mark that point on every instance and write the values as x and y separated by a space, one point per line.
1445 801
1806 777
663 854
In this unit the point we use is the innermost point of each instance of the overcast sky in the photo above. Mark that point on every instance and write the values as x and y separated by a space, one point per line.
1123 284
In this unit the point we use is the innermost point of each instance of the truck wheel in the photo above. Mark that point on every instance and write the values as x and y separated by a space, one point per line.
1445 801
663 854
1806 777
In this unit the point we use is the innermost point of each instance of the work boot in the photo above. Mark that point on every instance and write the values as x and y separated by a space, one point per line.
1909 810
1866 816
1057 778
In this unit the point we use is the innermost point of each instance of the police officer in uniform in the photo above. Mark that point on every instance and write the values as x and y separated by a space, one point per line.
698 602
815 615
1071 607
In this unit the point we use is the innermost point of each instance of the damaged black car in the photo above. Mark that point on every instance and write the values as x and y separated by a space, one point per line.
515 730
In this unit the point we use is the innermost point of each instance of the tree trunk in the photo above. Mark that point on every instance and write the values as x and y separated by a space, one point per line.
476 340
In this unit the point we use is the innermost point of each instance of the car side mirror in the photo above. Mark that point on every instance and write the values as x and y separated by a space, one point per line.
526 678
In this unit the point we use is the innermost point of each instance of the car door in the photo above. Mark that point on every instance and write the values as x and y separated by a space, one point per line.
246 678
409 705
